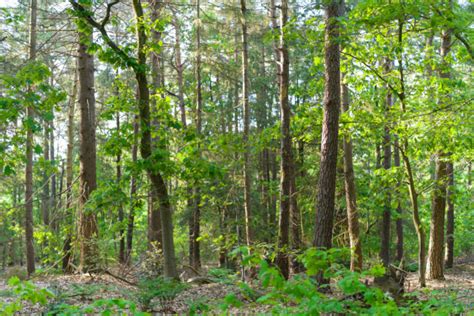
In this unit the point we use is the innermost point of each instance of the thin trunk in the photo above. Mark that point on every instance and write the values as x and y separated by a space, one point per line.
30 250
387 165
45 195
286 166
88 178
133 192
154 217
118 162
146 148
67 267
399 221
450 217
329 134
350 191
52 202
246 108
194 223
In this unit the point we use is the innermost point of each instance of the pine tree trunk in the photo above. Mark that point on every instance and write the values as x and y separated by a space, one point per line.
118 161
329 134
29 241
133 192
46 181
88 178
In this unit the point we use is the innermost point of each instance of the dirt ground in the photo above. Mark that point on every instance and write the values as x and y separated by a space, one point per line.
81 290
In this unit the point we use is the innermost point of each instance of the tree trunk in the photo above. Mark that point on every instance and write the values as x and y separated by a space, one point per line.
399 221
194 227
88 178
52 203
154 217
350 191
387 165
246 108
67 267
45 195
133 192
330 129
285 148
450 217
29 241
146 149
118 162
436 245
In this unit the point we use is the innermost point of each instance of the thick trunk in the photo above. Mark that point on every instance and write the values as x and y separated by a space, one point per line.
436 246
330 129
30 250
350 191
450 217
246 108
88 178
286 165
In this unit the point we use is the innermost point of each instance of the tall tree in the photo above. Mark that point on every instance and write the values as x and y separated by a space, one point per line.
246 112
350 189
387 165
87 148
286 166
29 241
194 224
330 129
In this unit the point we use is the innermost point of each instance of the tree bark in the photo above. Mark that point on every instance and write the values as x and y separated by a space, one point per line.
387 165
133 192
330 129
46 181
350 190
66 264
450 217
29 241
246 108
88 178
399 221
286 165
118 167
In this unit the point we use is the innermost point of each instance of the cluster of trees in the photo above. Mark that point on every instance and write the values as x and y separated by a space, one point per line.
279 123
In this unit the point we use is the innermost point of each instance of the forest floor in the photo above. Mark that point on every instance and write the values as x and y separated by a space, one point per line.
81 290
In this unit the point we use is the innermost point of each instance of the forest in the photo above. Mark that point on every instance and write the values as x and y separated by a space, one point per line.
203 157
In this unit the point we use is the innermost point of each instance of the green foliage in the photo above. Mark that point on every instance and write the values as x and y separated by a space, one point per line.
162 289
24 291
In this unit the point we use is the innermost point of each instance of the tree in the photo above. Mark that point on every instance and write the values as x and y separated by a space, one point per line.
88 178
286 163
30 250
330 129
450 217
246 111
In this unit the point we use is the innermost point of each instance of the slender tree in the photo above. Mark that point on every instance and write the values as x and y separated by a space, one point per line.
286 166
246 112
29 241
450 217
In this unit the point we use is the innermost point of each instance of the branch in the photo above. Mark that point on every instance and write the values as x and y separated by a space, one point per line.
376 73
101 28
